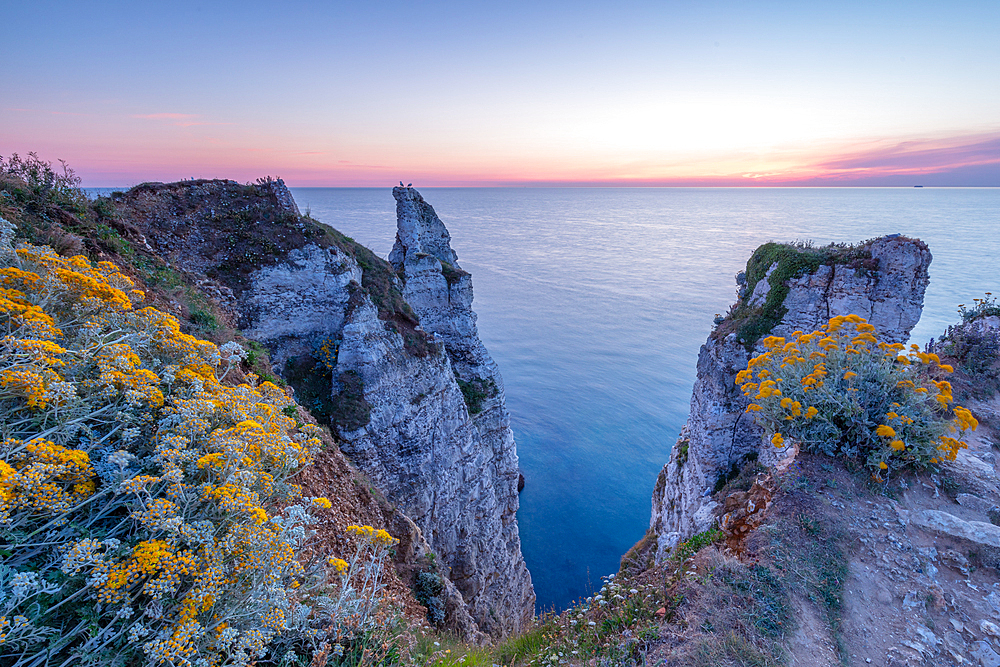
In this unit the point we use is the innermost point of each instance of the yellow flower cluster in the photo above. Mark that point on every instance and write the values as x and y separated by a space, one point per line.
823 389
148 557
171 485
339 564
376 536
43 477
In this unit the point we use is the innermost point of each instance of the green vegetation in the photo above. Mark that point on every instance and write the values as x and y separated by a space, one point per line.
347 410
516 650
428 589
974 348
809 552
682 452
843 393
452 274
475 391
792 261
743 612
350 409
696 543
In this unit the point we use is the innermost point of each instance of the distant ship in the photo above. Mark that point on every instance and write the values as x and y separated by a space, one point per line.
918 186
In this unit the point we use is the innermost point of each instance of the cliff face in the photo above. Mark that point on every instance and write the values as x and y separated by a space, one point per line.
381 353
886 287
448 459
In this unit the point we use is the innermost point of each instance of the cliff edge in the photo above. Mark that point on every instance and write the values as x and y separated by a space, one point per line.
784 289
386 355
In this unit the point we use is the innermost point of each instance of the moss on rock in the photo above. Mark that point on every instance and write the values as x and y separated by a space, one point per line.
789 261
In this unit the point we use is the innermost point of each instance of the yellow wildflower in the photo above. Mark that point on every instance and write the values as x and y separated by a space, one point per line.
886 431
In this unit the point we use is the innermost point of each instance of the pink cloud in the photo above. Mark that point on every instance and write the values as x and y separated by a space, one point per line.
916 157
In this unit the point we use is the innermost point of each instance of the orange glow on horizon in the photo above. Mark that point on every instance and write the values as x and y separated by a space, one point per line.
830 164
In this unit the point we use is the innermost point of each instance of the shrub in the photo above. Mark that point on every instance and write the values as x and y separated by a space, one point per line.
145 507
841 392
985 307
975 346
42 180
428 590
696 543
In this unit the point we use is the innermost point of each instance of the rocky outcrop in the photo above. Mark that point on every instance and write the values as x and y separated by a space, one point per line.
978 533
890 297
883 281
439 442
387 355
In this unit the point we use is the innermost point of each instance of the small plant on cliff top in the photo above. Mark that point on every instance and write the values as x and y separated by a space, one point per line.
974 346
840 391
985 307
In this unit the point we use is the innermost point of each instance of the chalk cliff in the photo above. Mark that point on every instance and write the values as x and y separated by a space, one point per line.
882 280
439 441
382 353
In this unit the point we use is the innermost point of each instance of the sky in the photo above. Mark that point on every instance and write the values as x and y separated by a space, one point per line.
470 93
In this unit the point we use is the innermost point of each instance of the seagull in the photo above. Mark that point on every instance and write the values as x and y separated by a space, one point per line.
401 184
409 185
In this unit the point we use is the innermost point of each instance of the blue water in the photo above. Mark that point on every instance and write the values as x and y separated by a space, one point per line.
594 303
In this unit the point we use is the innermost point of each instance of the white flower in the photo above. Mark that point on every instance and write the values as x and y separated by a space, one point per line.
232 352
24 584
137 632
60 392
121 458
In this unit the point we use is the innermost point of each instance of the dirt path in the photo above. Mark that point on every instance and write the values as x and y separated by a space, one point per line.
917 595
812 644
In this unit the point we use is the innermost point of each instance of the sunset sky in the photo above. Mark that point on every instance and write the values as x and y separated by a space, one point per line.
507 93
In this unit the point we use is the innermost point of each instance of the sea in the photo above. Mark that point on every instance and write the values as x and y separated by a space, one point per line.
594 303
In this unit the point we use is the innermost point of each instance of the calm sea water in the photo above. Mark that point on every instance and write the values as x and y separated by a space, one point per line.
594 303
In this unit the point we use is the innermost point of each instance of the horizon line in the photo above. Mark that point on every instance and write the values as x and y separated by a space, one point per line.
542 186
